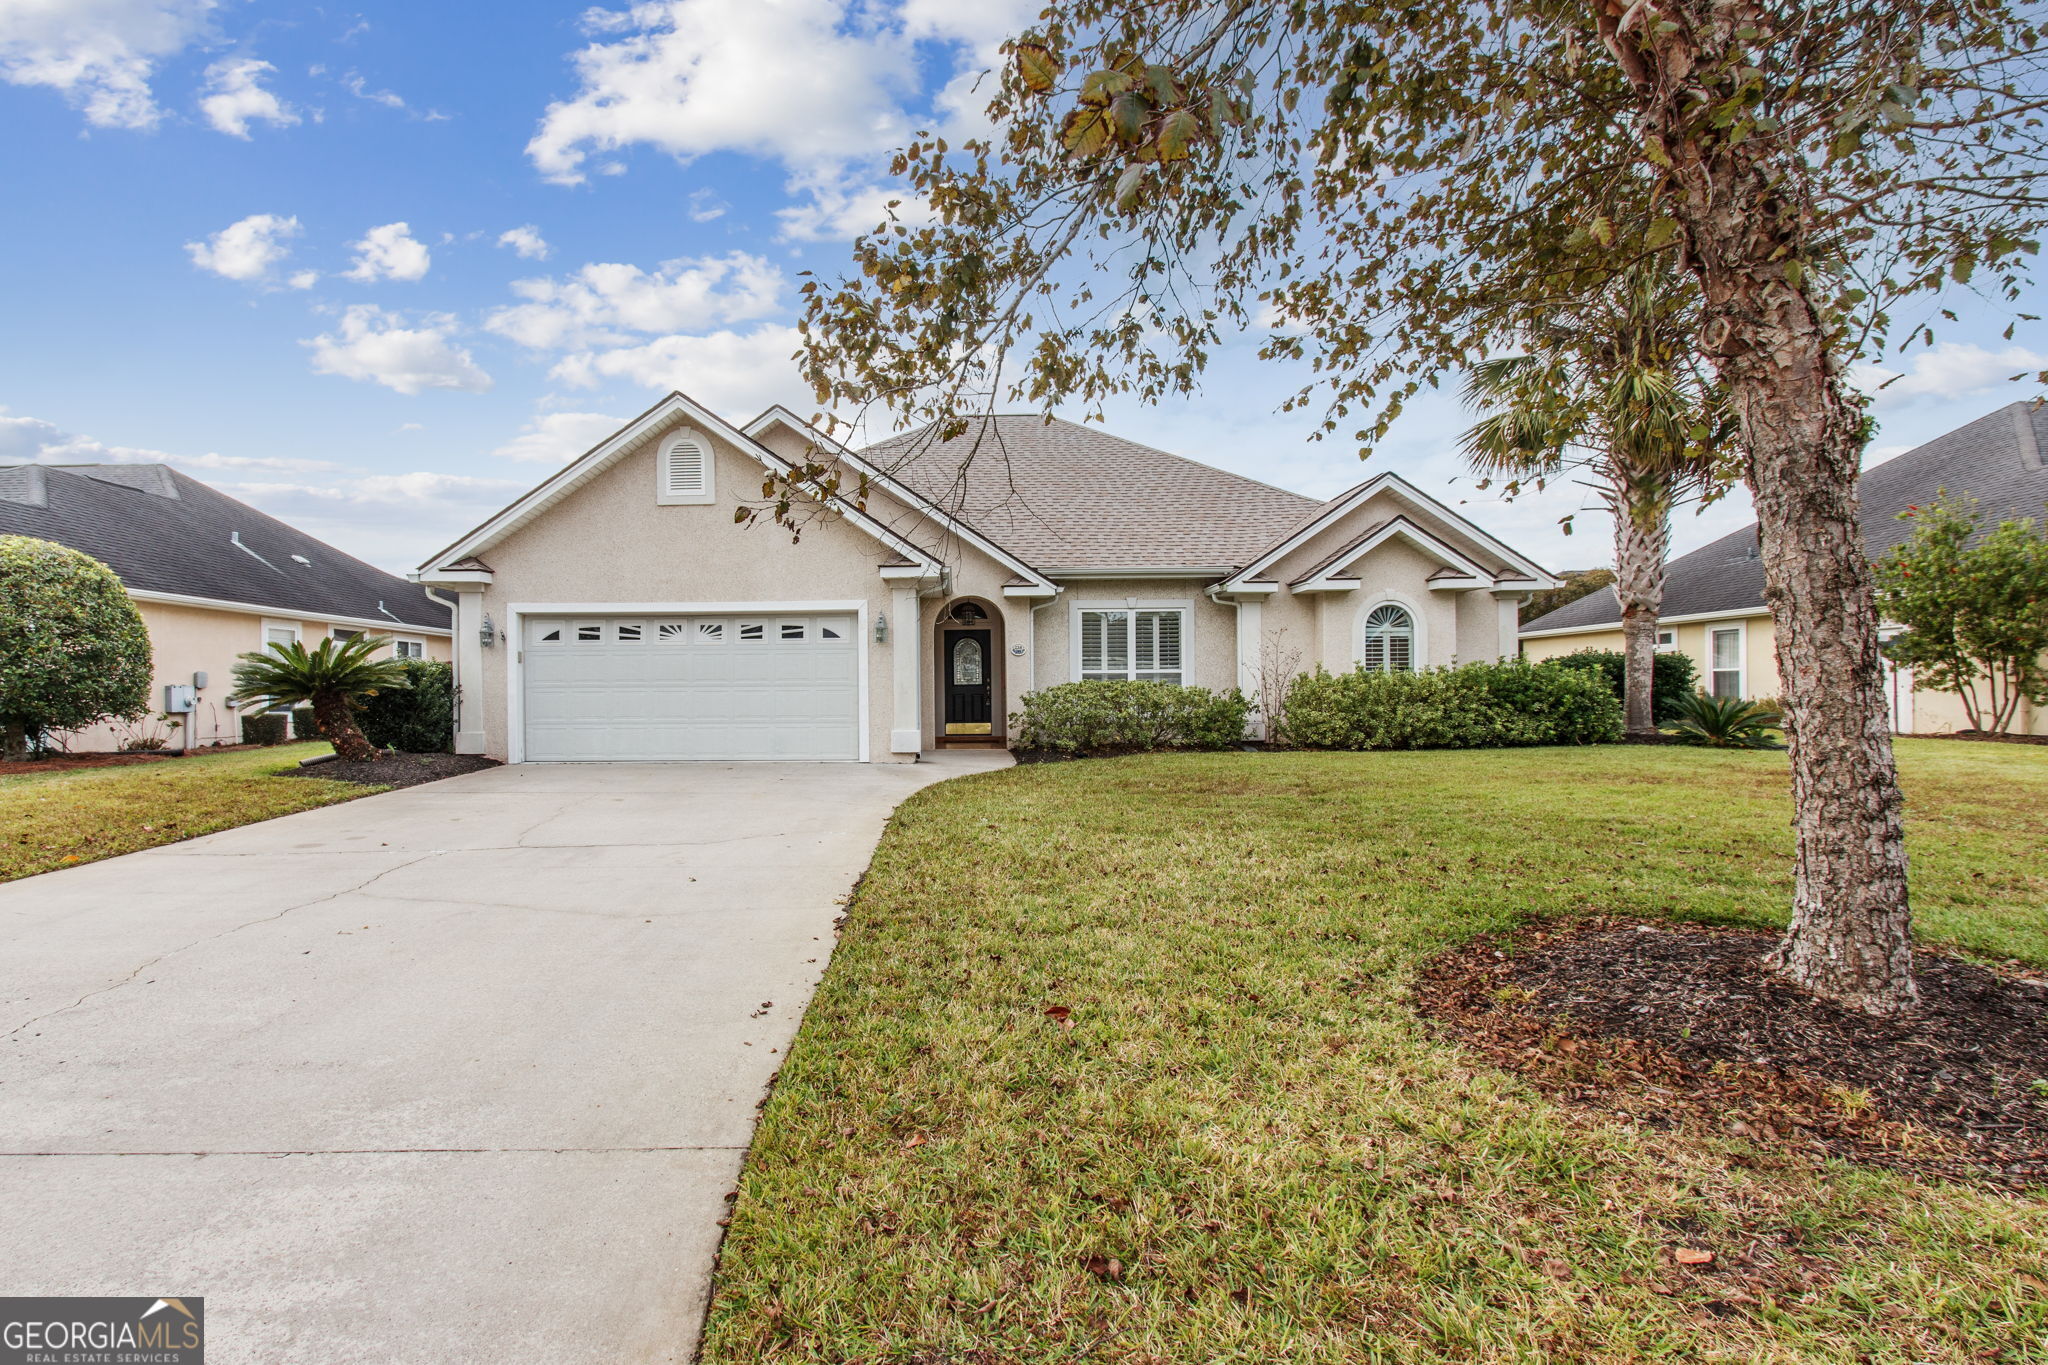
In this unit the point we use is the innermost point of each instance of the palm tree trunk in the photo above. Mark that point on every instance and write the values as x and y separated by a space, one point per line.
331 714
1639 584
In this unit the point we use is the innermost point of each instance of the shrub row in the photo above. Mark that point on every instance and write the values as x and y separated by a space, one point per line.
1671 677
419 719
1475 706
1128 717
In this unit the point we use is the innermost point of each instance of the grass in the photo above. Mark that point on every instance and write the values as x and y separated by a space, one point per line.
1240 1146
62 819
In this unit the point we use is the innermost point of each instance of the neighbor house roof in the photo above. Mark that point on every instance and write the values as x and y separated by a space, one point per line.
1063 496
166 533
1996 459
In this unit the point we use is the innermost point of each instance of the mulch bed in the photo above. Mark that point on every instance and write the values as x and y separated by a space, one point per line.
1674 1025
58 763
397 770
1987 737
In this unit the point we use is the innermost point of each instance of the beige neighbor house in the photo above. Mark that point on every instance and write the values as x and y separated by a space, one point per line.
213 578
619 611
1714 606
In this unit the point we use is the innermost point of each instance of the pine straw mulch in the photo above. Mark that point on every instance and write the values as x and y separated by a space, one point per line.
1680 1025
396 770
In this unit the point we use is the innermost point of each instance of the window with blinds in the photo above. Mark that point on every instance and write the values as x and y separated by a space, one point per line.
1145 646
684 469
1389 644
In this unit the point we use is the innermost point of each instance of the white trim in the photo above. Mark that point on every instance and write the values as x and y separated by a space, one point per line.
1741 670
647 425
1332 578
664 496
954 525
451 578
1030 590
1690 619
1418 623
1407 492
515 638
1184 606
282 613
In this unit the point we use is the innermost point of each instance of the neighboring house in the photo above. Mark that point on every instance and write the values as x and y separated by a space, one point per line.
1714 606
619 611
213 579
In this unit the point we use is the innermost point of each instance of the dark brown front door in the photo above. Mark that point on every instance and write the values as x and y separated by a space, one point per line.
969 673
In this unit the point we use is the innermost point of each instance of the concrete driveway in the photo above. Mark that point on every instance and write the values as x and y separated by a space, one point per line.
458 1073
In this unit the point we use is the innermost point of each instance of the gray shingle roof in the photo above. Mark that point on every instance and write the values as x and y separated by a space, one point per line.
1059 495
163 531
1996 459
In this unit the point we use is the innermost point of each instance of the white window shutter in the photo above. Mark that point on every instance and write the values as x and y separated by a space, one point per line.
1091 642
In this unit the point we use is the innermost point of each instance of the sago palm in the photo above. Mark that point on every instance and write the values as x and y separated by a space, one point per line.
1608 390
330 679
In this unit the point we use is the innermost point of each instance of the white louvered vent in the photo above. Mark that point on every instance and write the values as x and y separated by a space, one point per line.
685 469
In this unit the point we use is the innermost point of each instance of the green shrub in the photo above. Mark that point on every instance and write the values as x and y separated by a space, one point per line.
1128 717
303 724
73 649
1726 722
1477 706
263 729
1672 676
419 719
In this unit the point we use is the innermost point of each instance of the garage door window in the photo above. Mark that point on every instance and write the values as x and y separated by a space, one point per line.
589 633
629 632
755 631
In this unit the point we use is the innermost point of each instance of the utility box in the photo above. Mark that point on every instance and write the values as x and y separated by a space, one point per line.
179 699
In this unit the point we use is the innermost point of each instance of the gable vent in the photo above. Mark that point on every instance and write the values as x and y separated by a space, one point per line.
685 468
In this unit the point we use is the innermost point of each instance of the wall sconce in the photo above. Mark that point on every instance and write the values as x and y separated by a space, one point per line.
881 628
487 633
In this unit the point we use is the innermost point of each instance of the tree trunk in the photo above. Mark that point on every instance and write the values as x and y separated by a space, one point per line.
14 742
1639 584
1735 199
332 715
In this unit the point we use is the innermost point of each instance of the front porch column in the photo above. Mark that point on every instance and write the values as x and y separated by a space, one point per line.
906 635
1510 623
469 673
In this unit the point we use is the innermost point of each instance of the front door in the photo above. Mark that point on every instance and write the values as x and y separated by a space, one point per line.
970 690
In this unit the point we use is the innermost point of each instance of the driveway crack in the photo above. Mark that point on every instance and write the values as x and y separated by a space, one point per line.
129 979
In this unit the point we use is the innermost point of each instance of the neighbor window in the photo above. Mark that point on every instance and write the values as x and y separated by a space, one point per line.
1727 671
1140 645
340 635
408 649
1389 644
280 635
1667 641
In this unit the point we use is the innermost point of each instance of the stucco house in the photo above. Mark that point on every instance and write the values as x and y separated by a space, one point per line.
1714 608
619 610
212 578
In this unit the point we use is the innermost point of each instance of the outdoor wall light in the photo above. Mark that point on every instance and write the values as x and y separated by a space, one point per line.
488 632
881 628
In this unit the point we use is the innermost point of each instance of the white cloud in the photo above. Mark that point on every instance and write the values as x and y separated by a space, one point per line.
304 279
558 437
377 346
99 54
389 252
799 80
31 440
360 88
1949 369
526 242
705 206
234 97
605 303
740 373
249 248
838 209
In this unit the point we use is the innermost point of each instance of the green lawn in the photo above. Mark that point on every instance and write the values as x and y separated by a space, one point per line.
1242 1147
61 819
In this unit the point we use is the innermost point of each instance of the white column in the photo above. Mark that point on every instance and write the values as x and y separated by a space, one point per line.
906 634
469 673
1250 646
1510 624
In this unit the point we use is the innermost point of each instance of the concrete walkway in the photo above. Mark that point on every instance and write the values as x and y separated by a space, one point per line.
457 1073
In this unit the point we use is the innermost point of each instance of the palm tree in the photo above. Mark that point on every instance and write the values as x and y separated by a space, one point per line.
1609 389
330 679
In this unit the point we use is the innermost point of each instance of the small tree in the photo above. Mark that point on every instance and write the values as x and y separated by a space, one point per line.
1577 583
331 679
73 649
1975 609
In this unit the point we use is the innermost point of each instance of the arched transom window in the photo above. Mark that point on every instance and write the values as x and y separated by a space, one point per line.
1389 645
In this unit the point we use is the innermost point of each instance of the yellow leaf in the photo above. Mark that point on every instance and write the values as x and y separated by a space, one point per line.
1036 67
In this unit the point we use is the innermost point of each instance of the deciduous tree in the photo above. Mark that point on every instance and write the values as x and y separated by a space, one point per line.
1387 191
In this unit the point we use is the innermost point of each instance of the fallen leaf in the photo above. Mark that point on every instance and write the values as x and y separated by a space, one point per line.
1692 1256
915 1140
1556 1269
1058 1013
1107 1267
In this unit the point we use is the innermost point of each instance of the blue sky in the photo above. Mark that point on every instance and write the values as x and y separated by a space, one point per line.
377 269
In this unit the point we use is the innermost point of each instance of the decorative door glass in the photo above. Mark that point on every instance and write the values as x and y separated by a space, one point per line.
967 663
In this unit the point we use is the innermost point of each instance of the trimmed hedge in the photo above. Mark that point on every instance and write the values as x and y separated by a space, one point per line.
1477 706
1672 676
1128 717
419 719
265 729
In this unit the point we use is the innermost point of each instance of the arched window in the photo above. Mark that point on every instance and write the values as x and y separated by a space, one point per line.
1389 645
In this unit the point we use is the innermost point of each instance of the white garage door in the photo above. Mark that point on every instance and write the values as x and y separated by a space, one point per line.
672 687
